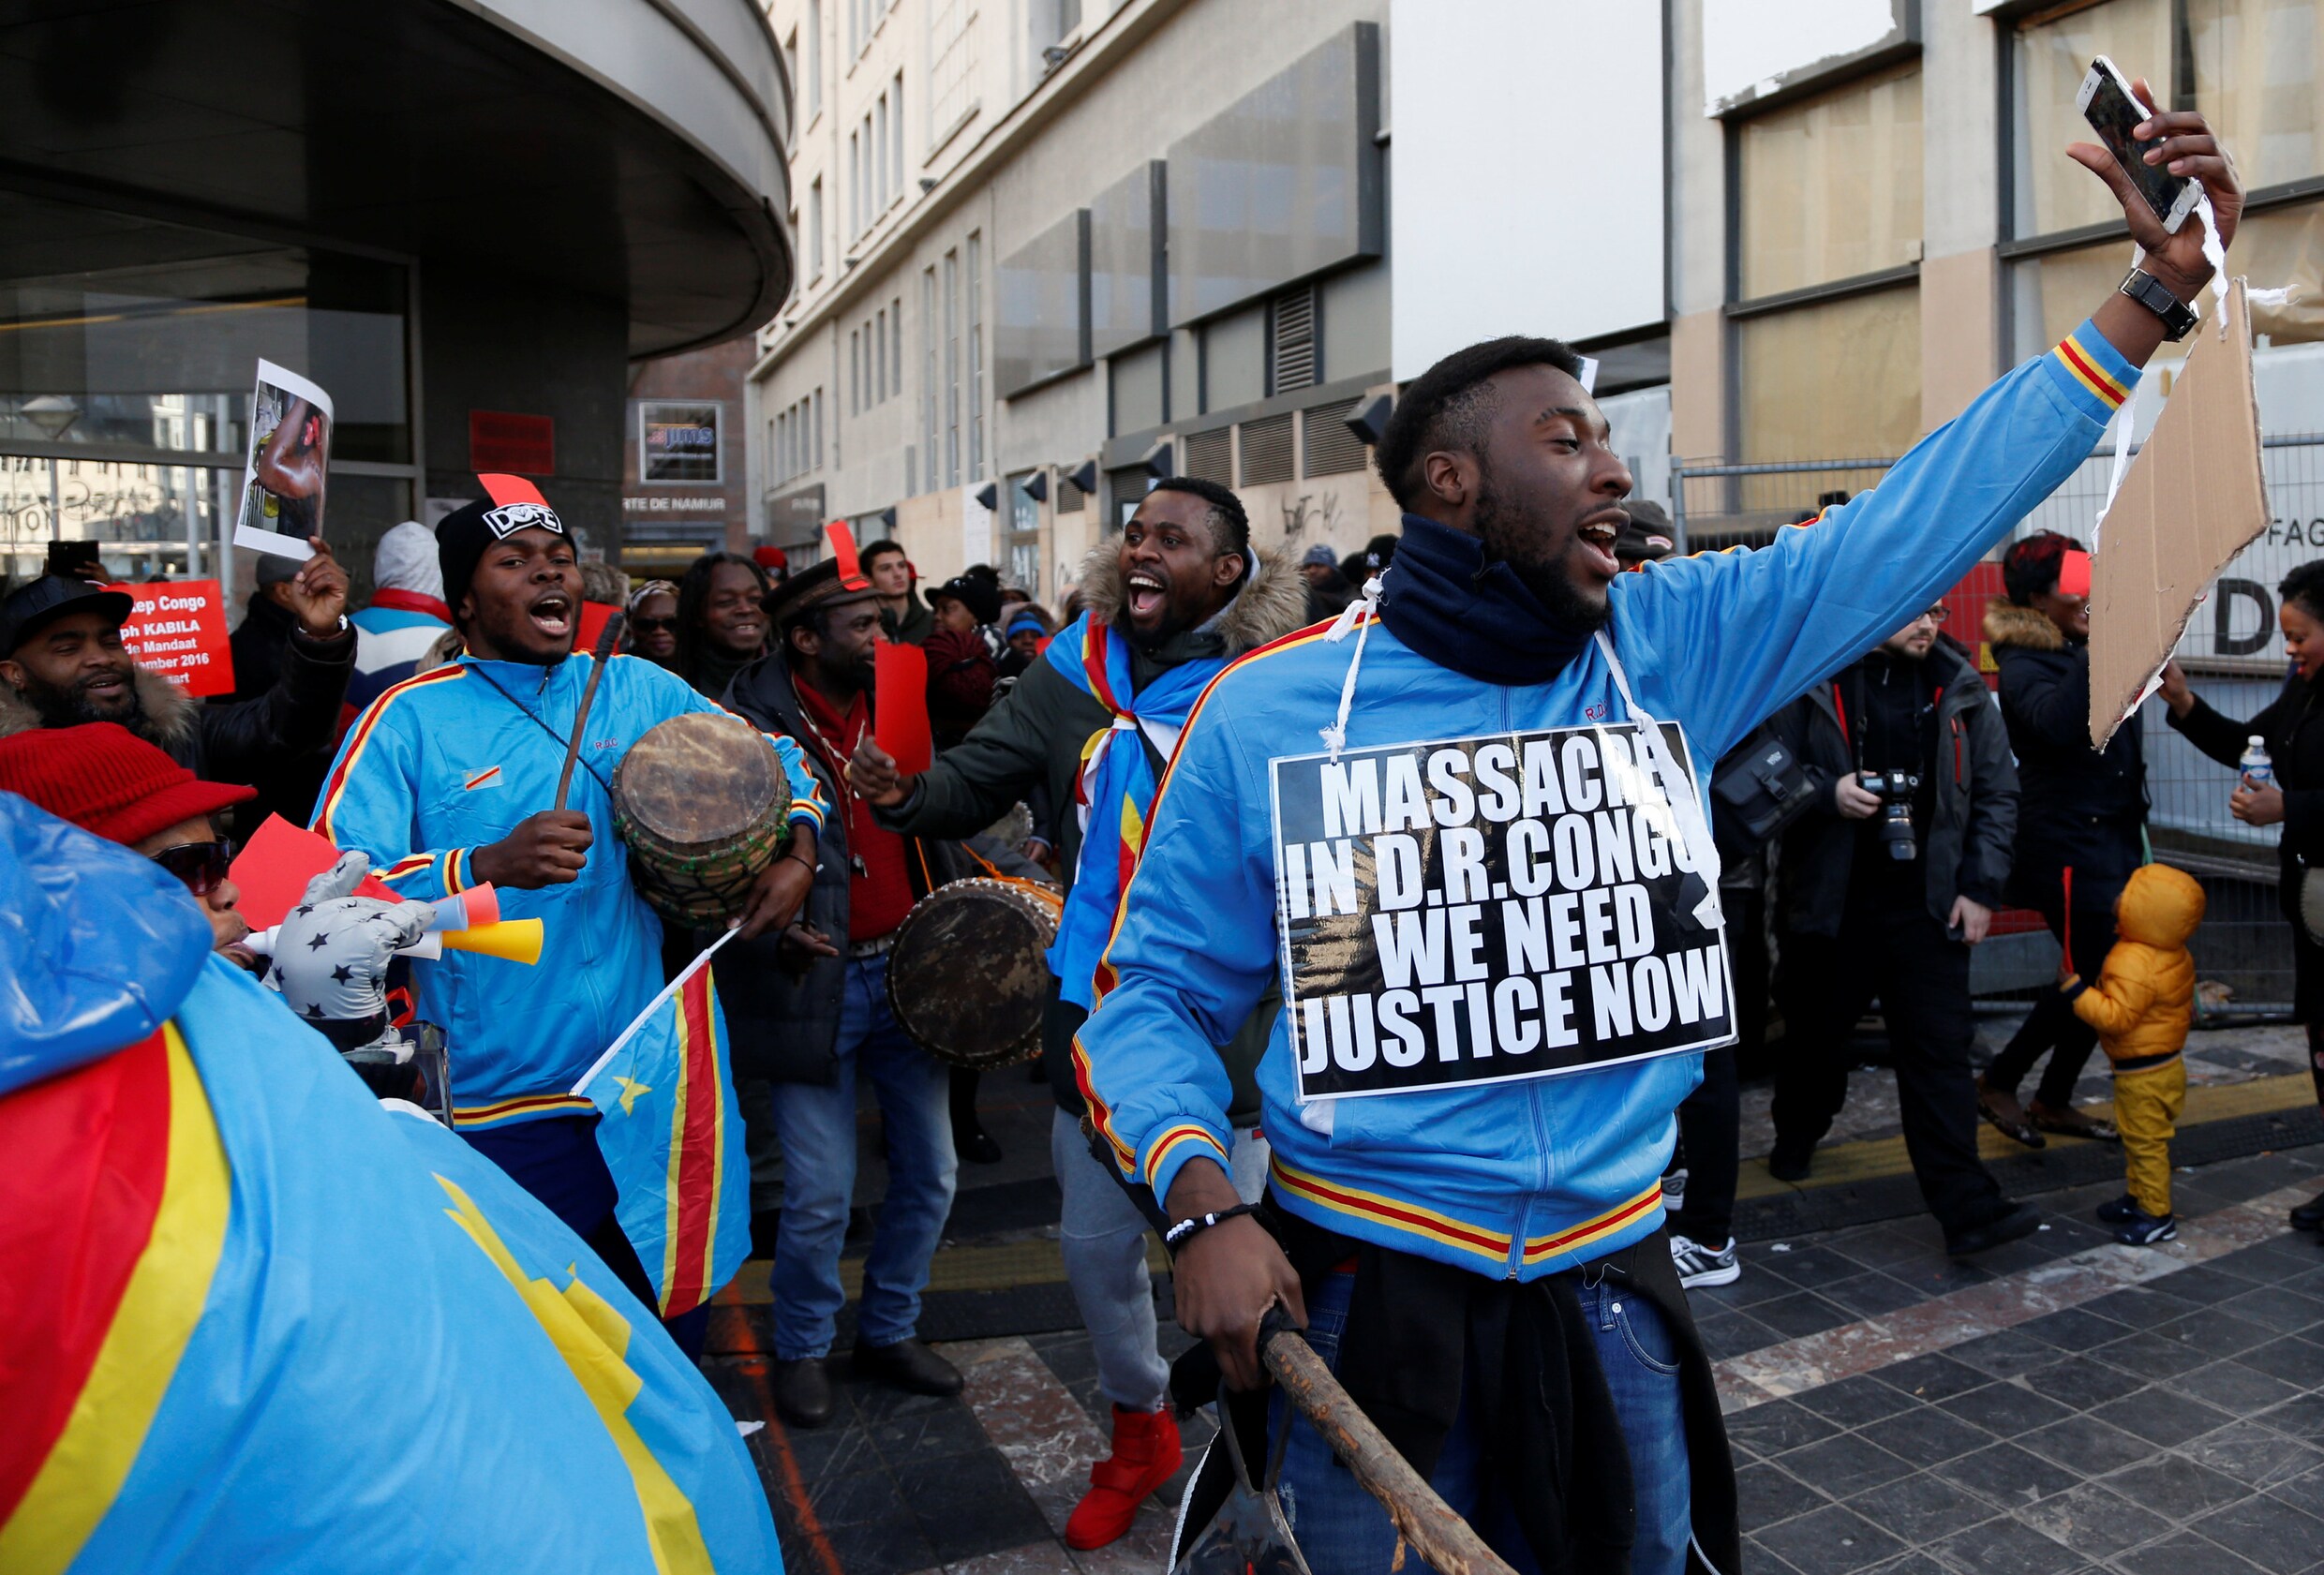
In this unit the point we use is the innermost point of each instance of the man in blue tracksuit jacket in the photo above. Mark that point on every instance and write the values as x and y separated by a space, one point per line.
446 781
1503 613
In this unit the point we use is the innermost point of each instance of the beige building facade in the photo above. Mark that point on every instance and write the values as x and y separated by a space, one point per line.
1049 249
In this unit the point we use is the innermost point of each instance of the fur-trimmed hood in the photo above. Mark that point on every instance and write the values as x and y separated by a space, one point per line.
2008 624
169 723
1270 604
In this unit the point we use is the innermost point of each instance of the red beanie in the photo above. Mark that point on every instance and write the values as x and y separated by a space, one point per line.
105 778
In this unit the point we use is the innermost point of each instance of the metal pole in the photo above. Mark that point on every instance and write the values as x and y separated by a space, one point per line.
1678 506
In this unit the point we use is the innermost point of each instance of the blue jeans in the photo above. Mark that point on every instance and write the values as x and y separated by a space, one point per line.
817 1129
1343 1530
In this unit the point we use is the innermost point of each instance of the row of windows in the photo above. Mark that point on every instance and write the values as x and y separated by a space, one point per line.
952 386
795 439
1831 193
876 158
876 359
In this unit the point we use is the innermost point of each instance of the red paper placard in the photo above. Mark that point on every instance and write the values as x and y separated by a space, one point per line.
179 631
2073 573
843 553
275 866
900 706
593 617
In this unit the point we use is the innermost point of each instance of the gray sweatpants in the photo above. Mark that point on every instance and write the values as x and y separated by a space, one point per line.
1102 1237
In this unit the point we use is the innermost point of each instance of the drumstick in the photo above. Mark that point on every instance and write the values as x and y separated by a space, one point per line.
607 638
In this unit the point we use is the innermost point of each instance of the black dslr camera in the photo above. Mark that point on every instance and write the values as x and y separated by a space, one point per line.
1895 790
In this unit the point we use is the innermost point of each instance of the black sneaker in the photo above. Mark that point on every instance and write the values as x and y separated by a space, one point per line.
2309 1215
2143 1229
2017 1221
1699 1264
2120 1211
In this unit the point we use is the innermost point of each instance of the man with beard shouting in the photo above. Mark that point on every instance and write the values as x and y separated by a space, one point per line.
1179 595
446 781
1477 1248
62 664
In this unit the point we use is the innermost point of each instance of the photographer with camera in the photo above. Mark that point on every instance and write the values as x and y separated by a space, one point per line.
1888 881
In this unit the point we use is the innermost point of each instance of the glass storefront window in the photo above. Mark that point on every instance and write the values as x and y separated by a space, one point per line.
2258 69
1831 187
2052 192
1802 401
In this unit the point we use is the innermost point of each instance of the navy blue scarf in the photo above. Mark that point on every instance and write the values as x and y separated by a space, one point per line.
1442 599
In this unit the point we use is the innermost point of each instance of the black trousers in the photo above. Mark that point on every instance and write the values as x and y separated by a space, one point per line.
2052 1025
1900 953
1711 1144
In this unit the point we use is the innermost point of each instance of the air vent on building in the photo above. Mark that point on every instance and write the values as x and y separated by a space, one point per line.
1291 352
1267 450
1210 455
1329 447
1070 496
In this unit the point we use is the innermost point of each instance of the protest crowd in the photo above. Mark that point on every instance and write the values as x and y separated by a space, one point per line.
522 947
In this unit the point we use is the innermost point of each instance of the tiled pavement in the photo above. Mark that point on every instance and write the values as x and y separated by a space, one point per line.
2064 1405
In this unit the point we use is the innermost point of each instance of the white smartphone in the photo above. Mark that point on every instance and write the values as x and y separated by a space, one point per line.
2107 102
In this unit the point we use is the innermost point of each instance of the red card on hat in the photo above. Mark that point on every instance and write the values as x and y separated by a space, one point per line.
275 866
900 706
2073 573
843 553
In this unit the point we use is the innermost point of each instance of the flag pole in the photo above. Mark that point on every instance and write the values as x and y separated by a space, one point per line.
655 1005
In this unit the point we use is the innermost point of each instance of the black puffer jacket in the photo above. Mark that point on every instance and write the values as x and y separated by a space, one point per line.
783 1009
1966 852
2077 806
238 741
2293 726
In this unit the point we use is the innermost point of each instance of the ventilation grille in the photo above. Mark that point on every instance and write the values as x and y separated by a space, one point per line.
1209 454
1070 496
1332 448
1291 350
1267 450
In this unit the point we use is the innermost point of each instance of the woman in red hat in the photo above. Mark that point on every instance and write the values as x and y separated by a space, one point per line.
106 780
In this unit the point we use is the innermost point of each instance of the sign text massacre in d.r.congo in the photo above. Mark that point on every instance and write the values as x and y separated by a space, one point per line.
1473 910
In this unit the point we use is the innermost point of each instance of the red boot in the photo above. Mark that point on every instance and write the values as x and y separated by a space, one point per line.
1145 1455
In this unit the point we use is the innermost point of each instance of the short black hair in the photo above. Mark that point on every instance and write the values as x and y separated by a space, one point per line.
873 549
2031 567
2305 585
1230 527
1448 406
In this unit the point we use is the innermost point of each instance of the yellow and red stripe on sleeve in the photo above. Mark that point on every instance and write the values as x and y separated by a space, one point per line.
2086 370
116 1197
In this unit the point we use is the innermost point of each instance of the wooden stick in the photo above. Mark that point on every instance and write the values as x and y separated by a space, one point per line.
607 638
1446 1541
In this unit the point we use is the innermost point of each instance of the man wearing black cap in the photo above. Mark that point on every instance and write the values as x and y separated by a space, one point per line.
811 1015
62 662
961 668
446 781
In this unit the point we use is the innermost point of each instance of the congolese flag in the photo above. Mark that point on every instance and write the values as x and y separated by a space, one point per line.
251 1319
672 1136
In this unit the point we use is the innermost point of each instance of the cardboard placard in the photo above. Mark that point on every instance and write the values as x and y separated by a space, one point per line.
1472 910
275 866
2194 497
179 631
283 478
900 706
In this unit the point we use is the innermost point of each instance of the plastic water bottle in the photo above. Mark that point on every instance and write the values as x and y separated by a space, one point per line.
2258 771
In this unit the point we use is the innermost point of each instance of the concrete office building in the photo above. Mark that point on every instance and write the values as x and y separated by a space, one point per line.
463 220
1050 251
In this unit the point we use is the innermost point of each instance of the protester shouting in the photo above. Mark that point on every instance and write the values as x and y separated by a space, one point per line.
722 620
2082 821
62 662
1169 603
1888 881
1501 1240
447 783
2292 728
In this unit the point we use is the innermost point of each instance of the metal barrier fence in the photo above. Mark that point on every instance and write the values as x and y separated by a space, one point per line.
2232 651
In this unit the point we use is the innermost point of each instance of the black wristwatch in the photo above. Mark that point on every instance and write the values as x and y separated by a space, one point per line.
2148 290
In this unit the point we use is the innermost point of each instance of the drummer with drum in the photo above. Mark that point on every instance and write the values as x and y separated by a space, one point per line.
447 781
811 1015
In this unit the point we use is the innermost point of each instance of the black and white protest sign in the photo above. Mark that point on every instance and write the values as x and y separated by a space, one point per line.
1475 909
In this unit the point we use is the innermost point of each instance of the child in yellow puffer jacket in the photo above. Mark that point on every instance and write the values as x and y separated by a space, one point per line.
2142 1006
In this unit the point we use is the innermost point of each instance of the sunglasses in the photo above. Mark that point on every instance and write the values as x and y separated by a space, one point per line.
201 866
1937 614
653 626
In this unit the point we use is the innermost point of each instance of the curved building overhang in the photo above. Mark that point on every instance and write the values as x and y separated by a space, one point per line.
628 149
